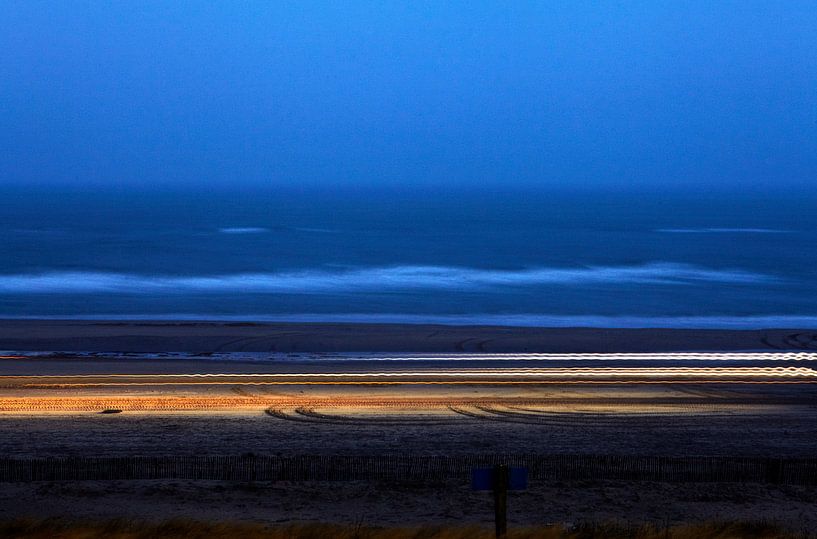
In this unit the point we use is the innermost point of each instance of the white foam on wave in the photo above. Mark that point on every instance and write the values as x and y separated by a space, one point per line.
374 279
243 230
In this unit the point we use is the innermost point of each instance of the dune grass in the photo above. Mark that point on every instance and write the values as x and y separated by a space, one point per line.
128 529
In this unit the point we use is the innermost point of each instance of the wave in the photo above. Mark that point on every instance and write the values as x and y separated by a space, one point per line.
723 231
511 320
374 279
243 230
261 230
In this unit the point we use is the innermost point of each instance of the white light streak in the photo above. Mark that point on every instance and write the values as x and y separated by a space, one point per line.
660 356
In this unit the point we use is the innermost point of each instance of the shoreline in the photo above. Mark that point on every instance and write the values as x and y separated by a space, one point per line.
718 322
154 336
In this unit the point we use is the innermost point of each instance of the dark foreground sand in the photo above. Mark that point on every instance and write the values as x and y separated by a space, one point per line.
217 434
144 337
406 504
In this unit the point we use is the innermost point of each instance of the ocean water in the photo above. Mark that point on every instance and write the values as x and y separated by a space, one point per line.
447 256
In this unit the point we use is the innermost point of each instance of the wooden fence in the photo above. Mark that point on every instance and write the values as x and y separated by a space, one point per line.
411 468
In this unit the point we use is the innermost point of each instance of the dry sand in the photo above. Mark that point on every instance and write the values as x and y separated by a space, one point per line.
636 420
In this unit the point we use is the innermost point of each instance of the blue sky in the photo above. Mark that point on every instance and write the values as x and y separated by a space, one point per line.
591 95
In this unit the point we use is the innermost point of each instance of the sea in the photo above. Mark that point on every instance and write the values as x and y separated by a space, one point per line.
421 255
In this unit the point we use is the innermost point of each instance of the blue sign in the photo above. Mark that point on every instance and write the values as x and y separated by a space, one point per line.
483 478
517 478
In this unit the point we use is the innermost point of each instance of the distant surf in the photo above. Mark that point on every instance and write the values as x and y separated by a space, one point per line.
274 253
243 230
375 279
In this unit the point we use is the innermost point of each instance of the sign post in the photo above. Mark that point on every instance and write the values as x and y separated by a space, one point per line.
500 479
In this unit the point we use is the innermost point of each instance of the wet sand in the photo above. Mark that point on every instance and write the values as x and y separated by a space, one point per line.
203 337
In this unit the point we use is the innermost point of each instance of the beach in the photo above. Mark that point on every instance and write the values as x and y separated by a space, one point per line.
382 389
94 390
201 336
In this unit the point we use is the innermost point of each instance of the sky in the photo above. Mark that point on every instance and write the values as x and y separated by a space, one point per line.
691 95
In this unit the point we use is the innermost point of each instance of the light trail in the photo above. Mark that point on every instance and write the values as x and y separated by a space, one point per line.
651 356
460 382
708 381
684 367
395 402
511 375
506 373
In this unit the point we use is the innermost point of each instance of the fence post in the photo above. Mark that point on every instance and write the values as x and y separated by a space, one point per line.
501 500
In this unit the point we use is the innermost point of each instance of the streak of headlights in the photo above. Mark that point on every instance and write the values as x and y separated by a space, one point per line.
579 372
